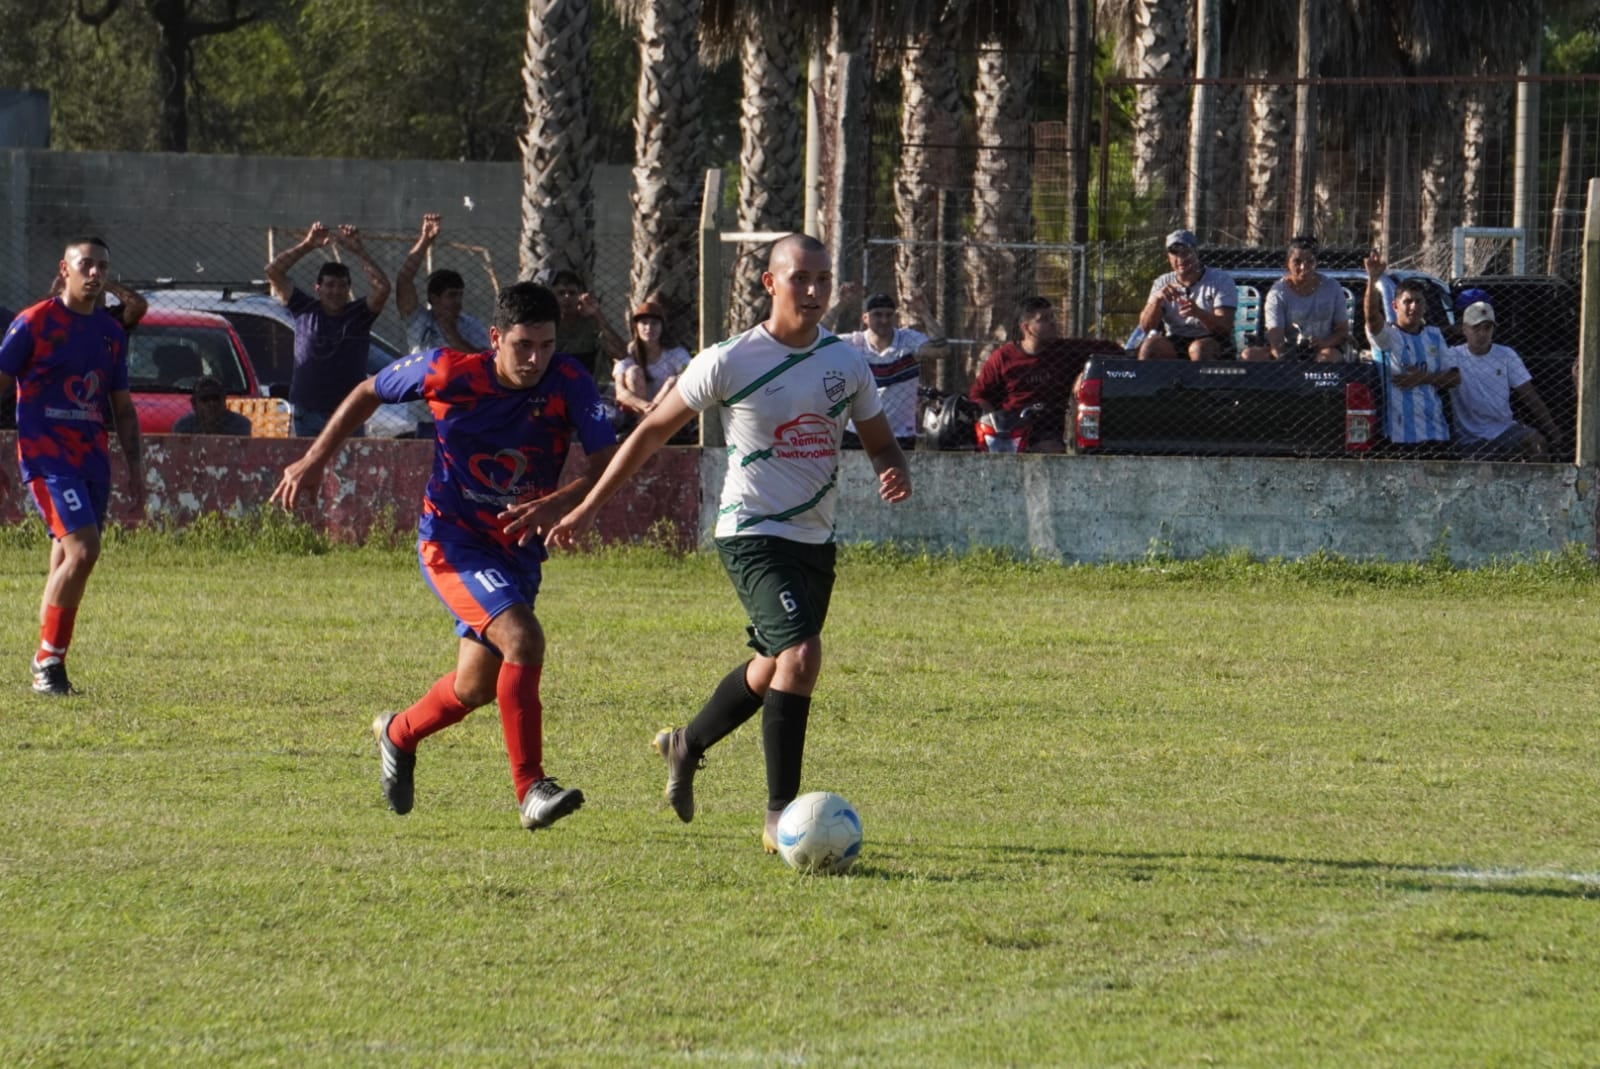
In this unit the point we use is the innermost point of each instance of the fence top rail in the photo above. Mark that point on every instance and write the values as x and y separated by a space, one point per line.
1353 82
967 243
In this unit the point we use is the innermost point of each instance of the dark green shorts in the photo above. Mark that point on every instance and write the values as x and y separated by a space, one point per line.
784 586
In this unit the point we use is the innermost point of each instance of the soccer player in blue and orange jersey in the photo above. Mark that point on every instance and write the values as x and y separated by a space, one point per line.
503 420
67 359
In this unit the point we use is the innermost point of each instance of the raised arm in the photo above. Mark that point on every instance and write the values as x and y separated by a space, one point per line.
278 270
378 295
405 286
134 306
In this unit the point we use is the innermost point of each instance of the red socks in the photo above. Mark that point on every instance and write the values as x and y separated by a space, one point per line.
521 719
55 633
522 722
438 709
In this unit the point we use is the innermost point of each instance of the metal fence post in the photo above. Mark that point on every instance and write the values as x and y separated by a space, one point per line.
710 287
1589 335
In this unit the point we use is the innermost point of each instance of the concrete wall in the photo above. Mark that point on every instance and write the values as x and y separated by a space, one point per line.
203 219
1089 509
1096 509
373 481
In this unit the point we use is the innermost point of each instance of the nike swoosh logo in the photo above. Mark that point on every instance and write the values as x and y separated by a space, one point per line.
772 389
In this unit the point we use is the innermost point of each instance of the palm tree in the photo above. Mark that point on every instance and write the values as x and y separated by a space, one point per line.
668 157
558 145
931 110
1153 41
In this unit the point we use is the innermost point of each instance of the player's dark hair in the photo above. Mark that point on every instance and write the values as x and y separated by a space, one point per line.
1031 306
333 269
1302 241
525 302
87 239
566 276
1411 285
444 280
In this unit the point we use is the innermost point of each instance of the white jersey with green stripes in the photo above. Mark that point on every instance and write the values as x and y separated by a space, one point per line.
783 415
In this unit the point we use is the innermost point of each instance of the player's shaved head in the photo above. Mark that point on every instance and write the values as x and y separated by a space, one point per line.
784 250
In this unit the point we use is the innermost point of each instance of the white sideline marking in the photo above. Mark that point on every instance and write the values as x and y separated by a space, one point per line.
1503 875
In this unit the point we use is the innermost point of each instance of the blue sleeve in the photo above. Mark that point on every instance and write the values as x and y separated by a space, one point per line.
16 348
590 419
405 379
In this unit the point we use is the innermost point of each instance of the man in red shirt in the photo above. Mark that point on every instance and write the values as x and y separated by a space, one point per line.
1038 369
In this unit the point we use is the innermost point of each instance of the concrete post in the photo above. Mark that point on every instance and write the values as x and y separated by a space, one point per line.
1589 335
711 285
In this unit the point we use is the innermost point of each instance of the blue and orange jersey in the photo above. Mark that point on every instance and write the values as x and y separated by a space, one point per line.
67 366
494 445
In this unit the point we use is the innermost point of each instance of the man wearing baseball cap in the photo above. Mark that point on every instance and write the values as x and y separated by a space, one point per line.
1190 311
1491 374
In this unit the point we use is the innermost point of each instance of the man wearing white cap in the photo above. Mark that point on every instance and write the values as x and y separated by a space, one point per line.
1191 308
1481 403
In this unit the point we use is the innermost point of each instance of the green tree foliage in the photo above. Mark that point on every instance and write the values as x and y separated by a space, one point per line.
379 79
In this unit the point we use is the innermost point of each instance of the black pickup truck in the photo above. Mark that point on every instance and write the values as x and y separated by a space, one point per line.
1225 408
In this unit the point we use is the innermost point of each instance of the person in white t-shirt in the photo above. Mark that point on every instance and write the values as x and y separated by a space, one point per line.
651 367
1189 313
895 354
440 323
1480 404
784 390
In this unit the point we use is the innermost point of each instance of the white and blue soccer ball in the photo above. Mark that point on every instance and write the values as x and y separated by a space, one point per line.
819 833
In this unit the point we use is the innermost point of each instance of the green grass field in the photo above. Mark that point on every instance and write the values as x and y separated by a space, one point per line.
1220 813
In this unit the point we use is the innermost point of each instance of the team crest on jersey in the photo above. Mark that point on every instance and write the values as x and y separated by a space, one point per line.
833 385
83 389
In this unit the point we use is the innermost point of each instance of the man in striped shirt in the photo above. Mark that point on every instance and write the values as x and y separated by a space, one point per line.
1410 356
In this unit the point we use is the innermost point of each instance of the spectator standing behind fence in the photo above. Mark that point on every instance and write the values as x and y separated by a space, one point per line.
651 367
440 323
1410 355
894 353
585 334
1191 308
332 332
1490 374
1304 313
210 413
1037 369
66 359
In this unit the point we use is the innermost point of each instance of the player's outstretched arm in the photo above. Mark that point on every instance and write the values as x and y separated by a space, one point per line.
888 459
302 478
650 435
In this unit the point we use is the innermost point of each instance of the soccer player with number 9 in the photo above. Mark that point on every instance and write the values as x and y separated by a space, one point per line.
67 358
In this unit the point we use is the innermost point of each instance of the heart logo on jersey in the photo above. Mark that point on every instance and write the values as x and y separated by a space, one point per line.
490 469
83 390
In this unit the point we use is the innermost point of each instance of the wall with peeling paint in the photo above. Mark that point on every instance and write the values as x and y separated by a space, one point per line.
1088 509
373 481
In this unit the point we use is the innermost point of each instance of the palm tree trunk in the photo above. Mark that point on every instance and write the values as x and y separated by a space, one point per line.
844 207
1441 183
930 124
771 144
1268 171
1002 190
668 154
557 147
1161 112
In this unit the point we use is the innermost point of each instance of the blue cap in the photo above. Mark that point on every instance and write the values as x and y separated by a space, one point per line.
1472 296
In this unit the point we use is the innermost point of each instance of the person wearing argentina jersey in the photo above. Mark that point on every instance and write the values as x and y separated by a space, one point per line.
1410 355
785 390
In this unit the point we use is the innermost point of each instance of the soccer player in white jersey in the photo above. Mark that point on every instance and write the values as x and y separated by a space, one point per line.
785 390
1410 355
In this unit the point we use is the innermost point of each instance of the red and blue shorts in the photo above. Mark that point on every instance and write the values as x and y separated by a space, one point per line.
477 582
68 503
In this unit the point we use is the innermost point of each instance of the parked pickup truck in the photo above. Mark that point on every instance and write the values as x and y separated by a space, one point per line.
1224 408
